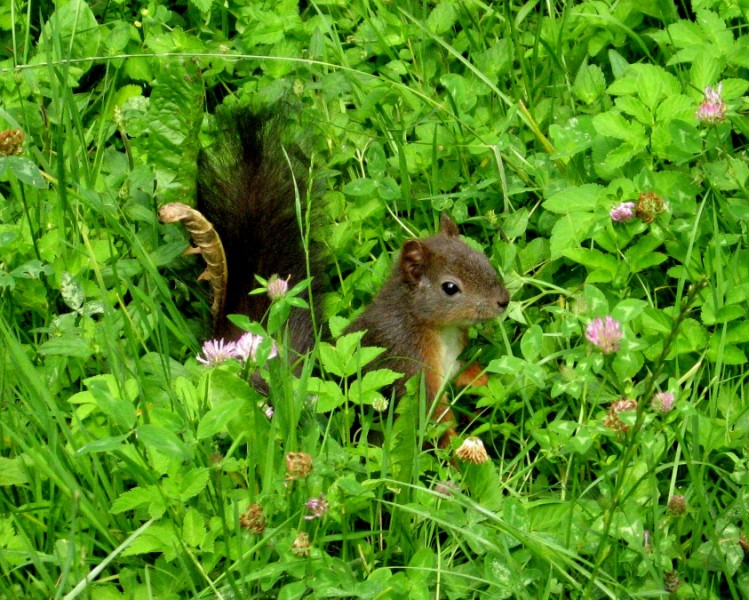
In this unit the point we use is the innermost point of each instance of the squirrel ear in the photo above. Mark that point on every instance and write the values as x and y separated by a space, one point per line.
413 261
448 226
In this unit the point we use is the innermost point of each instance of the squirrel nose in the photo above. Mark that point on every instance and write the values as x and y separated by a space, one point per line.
504 299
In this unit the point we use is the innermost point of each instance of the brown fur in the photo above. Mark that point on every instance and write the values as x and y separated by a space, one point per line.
412 315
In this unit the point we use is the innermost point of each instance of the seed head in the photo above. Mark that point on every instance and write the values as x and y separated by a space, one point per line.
677 506
649 206
11 142
613 421
380 403
671 582
472 450
253 519
298 465
301 545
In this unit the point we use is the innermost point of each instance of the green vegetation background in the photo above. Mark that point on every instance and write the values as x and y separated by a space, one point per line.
129 470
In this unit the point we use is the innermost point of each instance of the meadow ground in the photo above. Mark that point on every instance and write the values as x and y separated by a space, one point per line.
594 150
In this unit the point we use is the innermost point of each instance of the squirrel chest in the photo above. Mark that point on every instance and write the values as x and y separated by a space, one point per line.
447 344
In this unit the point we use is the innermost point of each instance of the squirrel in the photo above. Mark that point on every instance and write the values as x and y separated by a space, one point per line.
246 223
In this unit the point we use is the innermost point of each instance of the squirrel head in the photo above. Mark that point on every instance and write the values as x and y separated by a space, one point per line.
450 283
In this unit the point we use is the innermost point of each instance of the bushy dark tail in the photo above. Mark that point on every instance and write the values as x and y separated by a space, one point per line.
247 188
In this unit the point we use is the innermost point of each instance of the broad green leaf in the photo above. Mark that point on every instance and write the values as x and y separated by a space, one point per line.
642 255
613 124
71 32
572 137
582 198
67 345
109 444
158 538
217 419
442 18
363 391
628 309
593 259
363 187
620 156
569 232
13 471
133 498
635 108
329 395
193 528
71 291
590 83
24 169
627 363
193 482
530 343
163 441
175 112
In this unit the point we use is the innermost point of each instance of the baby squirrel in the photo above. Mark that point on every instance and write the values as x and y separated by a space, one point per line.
438 288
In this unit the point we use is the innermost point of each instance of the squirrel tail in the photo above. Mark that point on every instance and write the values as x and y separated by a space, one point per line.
248 189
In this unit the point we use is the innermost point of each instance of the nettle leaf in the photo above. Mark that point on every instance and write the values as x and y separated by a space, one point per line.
573 137
692 337
175 112
184 487
158 538
573 199
590 83
604 265
132 499
217 419
651 83
364 390
613 124
570 231
347 357
164 441
204 6
13 471
193 528
641 255
635 108
67 345
329 394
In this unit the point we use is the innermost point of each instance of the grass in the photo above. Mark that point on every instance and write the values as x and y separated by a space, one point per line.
129 470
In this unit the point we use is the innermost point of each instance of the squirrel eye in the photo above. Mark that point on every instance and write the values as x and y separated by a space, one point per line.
450 288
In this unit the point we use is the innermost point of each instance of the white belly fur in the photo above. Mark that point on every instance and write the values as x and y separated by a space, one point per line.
452 343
